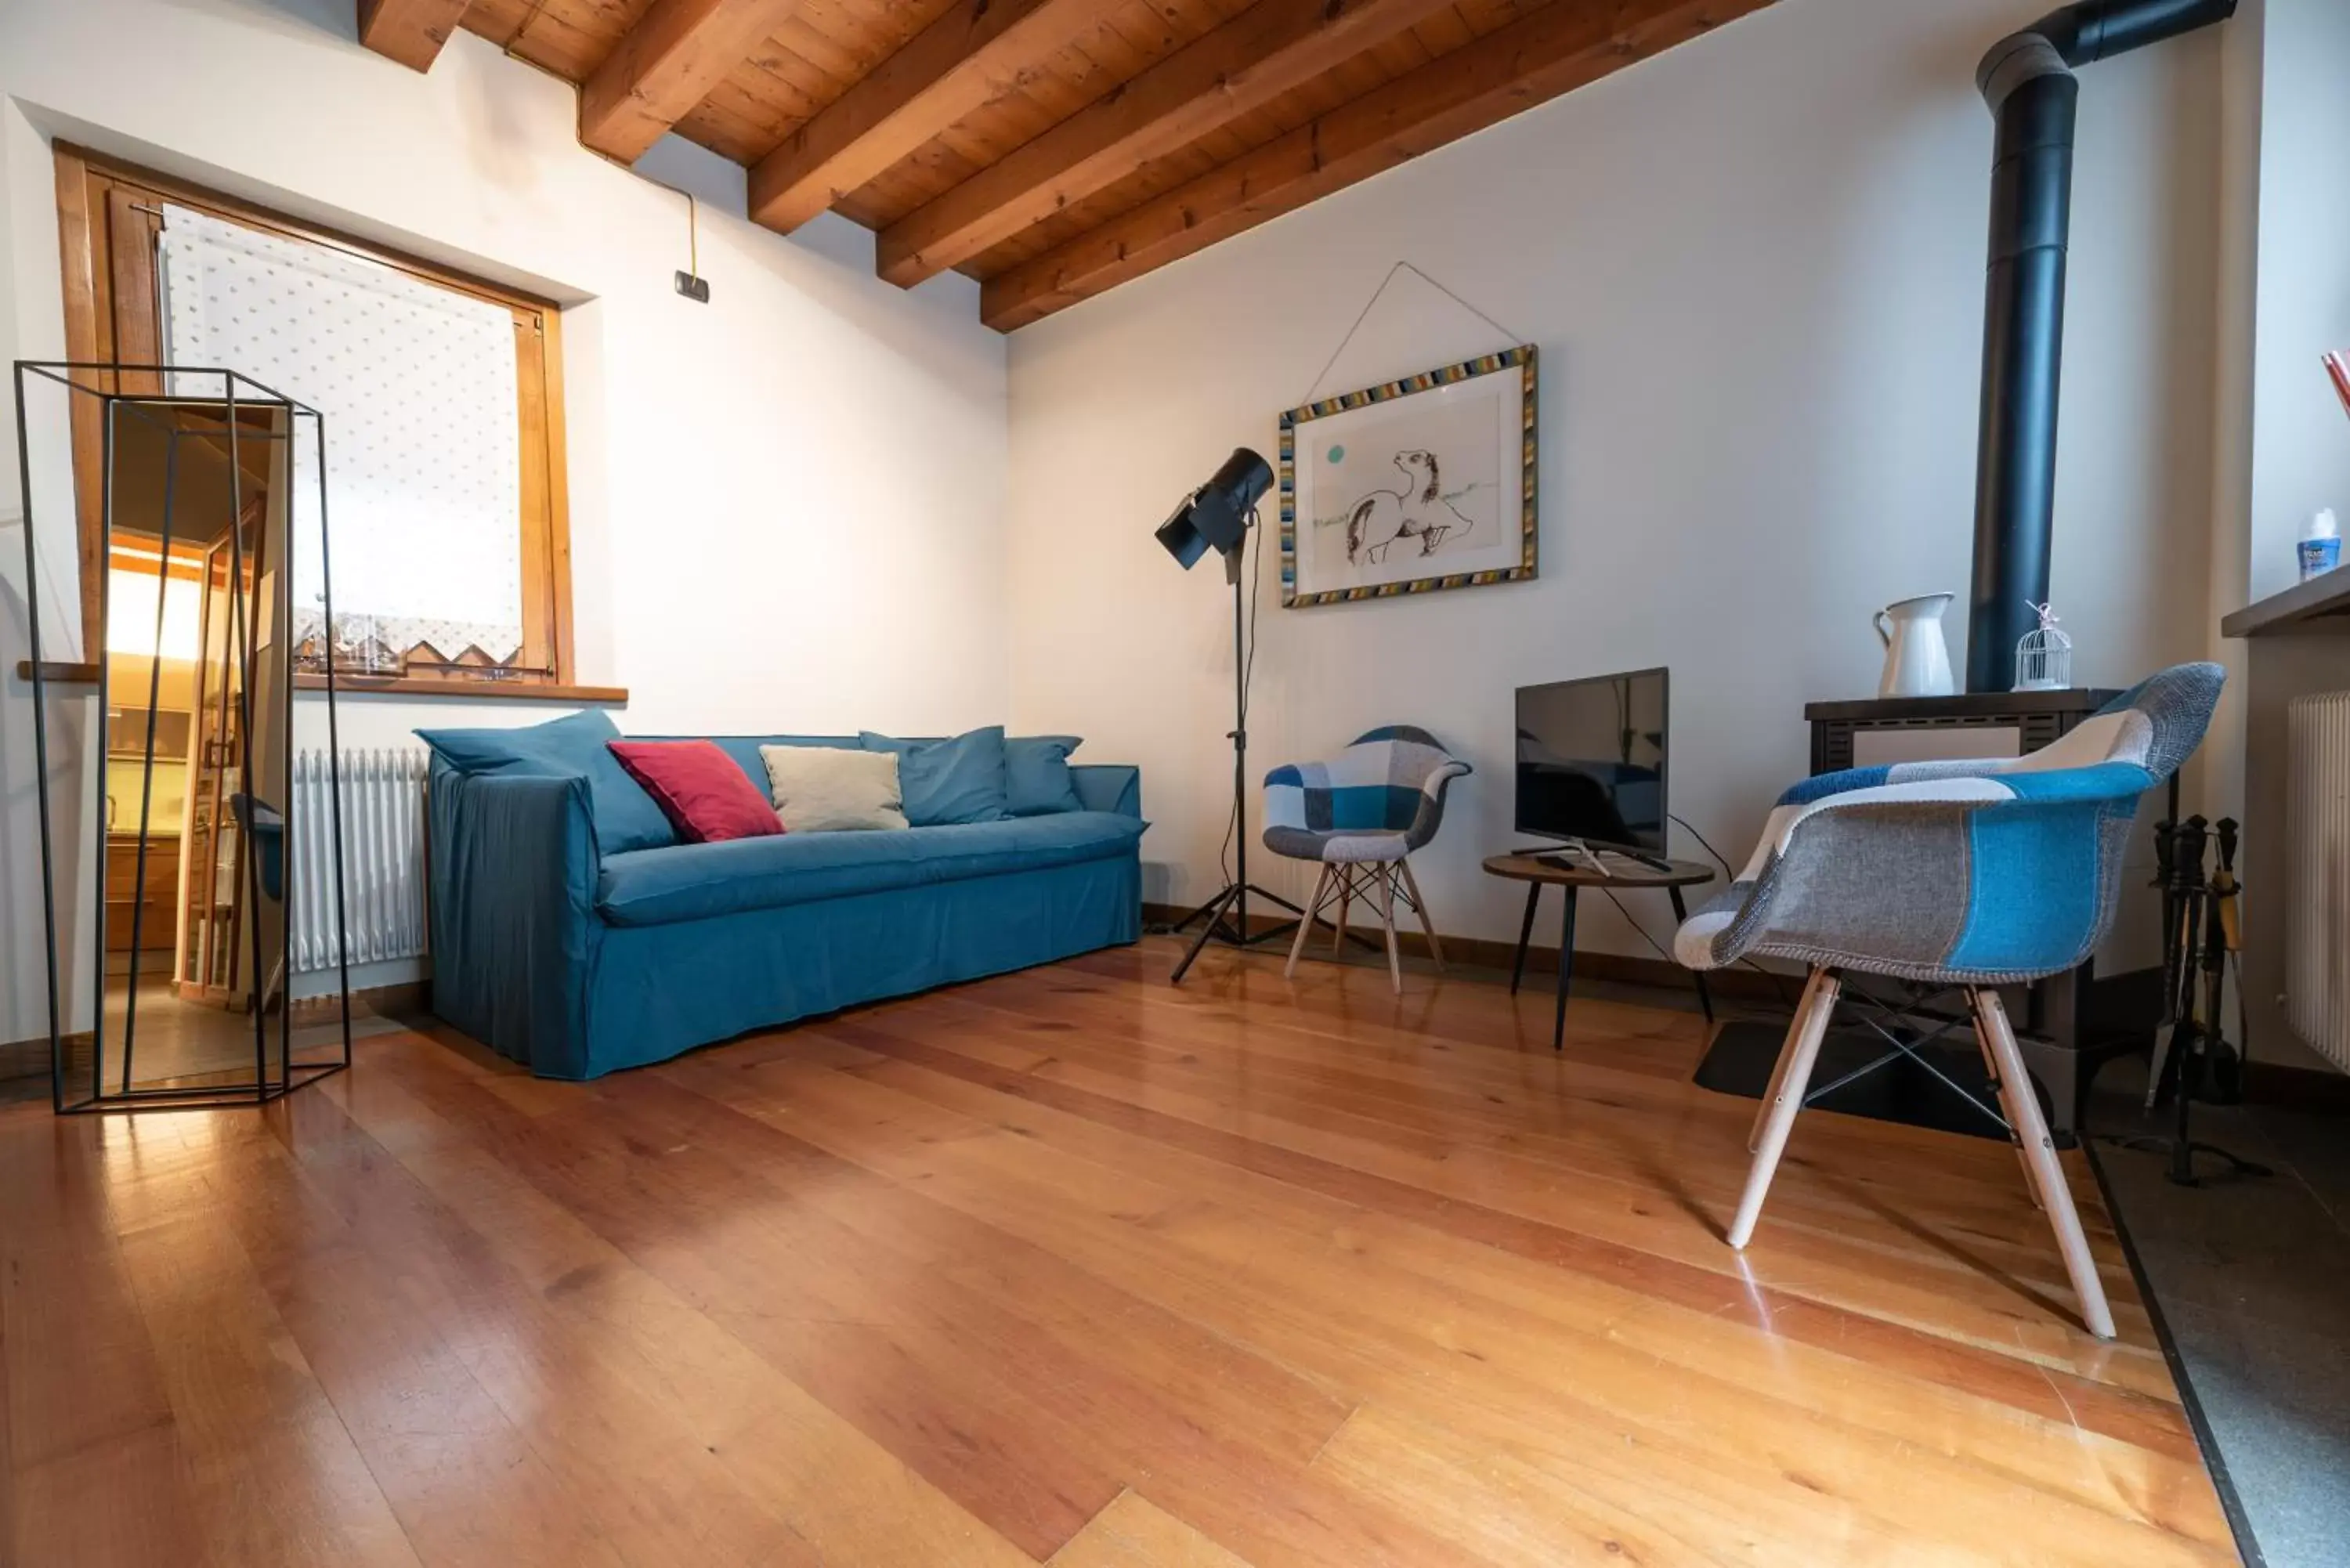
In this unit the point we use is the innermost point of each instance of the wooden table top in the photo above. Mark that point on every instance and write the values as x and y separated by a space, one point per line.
1621 872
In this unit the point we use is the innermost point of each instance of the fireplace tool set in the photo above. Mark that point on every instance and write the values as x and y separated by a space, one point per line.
2201 941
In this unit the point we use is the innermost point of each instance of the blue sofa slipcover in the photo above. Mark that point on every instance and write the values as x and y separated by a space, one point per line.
576 963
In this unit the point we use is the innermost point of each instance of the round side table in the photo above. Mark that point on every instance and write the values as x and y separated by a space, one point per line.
1542 870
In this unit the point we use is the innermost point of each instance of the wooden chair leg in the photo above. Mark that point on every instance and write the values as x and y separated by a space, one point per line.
1805 1032
1991 1071
1779 1067
2046 1172
1385 875
1427 924
1305 921
1346 895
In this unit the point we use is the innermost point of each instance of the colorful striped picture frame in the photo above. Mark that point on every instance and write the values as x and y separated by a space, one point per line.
1366 502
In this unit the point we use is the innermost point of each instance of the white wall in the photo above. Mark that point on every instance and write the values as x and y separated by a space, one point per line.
2301 440
1753 267
2286 290
786 506
2220 768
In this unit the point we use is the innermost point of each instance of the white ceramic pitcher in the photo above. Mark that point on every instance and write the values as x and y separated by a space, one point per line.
1917 660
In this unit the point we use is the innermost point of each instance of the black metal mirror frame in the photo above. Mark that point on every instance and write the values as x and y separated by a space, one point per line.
271 1079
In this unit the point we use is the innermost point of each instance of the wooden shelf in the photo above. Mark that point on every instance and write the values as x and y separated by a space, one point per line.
466 691
2323 598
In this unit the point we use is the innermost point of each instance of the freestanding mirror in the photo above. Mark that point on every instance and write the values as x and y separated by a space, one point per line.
179 856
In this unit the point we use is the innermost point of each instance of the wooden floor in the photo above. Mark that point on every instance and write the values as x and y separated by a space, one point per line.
1073 1267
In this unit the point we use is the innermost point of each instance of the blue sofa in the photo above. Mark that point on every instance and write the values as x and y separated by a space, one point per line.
576 961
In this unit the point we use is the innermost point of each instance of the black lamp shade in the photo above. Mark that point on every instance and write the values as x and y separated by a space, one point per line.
1217 513
1182 540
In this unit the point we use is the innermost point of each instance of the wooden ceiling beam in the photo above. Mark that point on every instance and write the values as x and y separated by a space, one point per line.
1269 49
976 52
1549 52
667 64
409 31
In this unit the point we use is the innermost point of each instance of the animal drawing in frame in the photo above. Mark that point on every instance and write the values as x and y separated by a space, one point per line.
1420 483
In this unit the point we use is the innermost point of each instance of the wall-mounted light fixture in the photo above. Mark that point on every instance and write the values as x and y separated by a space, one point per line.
690 283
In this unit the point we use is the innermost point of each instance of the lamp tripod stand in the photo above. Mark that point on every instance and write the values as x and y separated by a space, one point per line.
1226 914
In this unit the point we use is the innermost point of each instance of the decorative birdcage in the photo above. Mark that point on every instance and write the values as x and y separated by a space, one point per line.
2043 656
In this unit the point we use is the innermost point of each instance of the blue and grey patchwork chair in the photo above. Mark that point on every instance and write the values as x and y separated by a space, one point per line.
1360 815
1967 875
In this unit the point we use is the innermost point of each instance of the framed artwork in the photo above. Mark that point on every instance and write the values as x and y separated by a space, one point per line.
1426 483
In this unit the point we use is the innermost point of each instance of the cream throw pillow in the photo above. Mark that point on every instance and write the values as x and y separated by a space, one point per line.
826 789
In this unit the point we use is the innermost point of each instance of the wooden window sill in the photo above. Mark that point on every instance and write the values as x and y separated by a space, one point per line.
463 690
55 674
59 674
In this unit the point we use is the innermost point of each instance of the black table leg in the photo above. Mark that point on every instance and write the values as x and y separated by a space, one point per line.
1526 933
1680 918
1565 967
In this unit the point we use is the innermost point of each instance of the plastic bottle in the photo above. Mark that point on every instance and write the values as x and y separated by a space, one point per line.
2320 547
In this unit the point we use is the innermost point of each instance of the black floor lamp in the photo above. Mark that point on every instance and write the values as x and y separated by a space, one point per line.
1220 514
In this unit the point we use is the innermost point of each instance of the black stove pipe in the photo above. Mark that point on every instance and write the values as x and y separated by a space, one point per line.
2027 79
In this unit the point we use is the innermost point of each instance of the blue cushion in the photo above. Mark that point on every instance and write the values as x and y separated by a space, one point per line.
700 881
948 782
1036 775
625 816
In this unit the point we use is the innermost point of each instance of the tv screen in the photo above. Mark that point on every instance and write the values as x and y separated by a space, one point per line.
1591 760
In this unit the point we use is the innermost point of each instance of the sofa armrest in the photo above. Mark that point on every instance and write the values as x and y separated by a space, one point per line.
1108 786
513 872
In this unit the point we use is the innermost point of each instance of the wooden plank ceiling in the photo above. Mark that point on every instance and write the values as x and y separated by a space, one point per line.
1052 149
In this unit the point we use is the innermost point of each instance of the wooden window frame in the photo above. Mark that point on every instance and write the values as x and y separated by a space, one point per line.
109 213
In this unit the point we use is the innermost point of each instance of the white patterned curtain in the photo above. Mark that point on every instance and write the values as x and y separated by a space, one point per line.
417 388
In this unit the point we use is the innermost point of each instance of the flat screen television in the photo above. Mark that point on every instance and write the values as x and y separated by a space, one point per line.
1591 760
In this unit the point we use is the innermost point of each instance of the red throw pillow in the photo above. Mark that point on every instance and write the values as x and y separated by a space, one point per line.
698 787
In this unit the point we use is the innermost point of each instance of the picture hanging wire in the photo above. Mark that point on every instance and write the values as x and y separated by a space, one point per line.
1509 338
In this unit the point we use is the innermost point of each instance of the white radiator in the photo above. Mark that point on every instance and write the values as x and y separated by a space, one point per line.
383 858
2317 811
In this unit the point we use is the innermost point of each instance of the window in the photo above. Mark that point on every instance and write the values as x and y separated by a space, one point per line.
133 617
442 398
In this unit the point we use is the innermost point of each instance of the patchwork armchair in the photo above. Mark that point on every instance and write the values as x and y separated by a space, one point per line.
1360 815
1960 875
